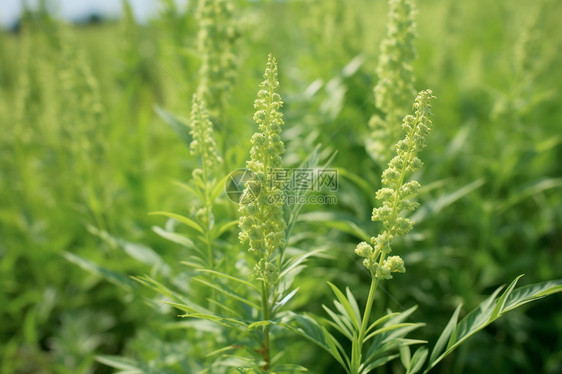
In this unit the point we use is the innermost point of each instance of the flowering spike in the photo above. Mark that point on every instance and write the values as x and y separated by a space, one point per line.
203 144
395 193
216 38
396 89
261 214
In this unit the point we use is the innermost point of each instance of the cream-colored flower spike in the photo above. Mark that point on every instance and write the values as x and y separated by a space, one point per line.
261 214
396 193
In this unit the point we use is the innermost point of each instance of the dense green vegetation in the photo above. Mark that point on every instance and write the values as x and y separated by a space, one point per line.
95 123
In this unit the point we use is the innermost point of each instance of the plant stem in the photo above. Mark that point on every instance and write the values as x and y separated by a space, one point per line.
265 311
357 343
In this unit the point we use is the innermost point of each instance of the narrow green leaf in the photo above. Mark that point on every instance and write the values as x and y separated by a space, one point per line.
224 308
381 320
218 188
187 221
225 227
353 303
444 337
190 189
377 363
278 305
405 356
121 363
346 305
255 325
308 328
194 265
532 292
161 289
227 293
503 298
226 321
417 360
293 262
221 350
176 238
228 276
391 328
387 347
342 325
480 317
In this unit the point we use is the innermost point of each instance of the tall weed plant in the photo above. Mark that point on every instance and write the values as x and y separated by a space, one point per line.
282 243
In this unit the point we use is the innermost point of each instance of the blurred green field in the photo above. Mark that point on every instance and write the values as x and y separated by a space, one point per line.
86 152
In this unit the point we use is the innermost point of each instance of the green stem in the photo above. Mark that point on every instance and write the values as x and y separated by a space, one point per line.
265 311
357 343
208 209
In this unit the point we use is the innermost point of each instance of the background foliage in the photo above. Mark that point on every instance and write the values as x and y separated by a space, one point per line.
84 157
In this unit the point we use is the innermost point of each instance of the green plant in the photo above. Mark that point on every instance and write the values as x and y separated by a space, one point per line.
84 157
